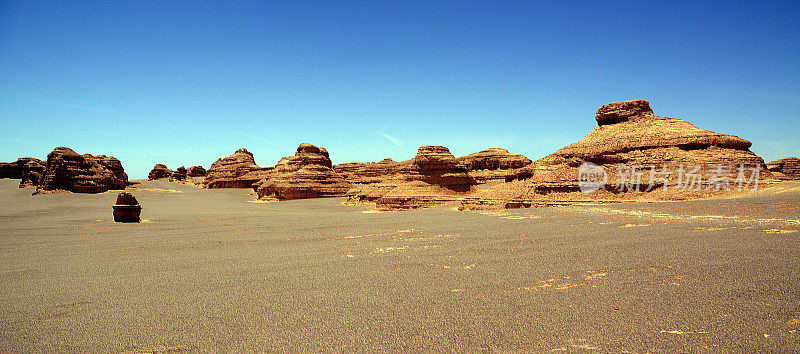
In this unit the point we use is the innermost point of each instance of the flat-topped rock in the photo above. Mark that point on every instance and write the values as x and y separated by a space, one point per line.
623 111
159 171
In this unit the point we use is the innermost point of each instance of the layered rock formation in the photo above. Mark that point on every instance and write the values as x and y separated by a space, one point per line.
494 165
159 171
179 175
238 170
28 169
196 171
369 172
70 171
307 174
640 154
434 176
786 168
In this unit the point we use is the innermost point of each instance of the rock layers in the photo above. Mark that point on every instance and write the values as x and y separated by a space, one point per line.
196 171
235 171
434 176
640 155
786 168
159 171
28 169
67 170
494 165
369 172
307 174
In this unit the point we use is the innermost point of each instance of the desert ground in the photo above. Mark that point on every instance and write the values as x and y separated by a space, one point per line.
208 269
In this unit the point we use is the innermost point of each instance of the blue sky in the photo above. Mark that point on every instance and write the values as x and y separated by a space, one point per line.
185 83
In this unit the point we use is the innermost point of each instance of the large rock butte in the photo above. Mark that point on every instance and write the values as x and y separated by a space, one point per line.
629 134
786 168
433 177
235 171
70 171
307 174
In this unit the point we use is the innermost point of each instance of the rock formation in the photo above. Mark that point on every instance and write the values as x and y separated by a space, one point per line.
179 175
307 174
433 177
196 171
28 169
369 172
235 171
494 165
67 170
640 154
785 168
159 171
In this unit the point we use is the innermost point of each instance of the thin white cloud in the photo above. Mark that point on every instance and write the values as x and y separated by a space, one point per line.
390 138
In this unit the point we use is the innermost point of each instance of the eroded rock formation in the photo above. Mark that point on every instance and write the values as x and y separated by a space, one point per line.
786 168
70 171
238 170
159 171
433 177
179 175
640 154
307 174
196 171
369 172
494 165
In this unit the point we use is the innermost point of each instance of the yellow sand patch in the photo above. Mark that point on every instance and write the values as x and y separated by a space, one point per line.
778 231
389 249
793 321
146 221
261 201
456 290
158 190
635 225
682 332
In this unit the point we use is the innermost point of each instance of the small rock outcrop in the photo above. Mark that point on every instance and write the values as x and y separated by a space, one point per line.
126 209
307 174
159 171
629 134
238 170
70 171
494 165
787 168
196 171
433 177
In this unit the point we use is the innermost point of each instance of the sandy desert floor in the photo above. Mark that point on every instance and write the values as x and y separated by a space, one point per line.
208 270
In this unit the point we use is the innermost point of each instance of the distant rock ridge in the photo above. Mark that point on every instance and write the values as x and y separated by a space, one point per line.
628 133
69 171
196 171
787 168
369 172
433 177
159 171
238 170
306 174
494 165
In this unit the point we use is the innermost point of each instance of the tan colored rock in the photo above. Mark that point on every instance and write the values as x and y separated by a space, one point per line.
369 172
238 170
69 171
494 165
433 177
662 149
787 168
307 174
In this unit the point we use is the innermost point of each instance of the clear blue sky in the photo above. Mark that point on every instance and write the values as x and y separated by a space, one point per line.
185 83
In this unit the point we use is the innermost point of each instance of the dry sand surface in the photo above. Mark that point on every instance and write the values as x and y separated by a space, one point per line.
210 271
